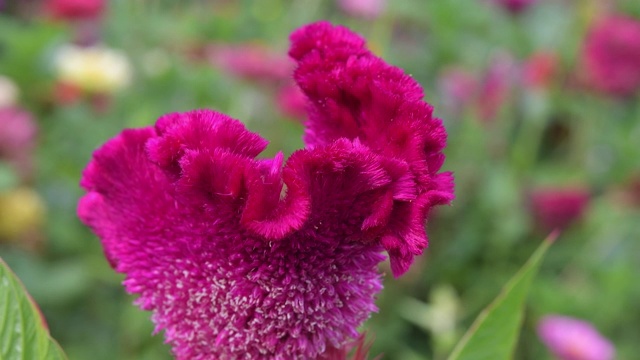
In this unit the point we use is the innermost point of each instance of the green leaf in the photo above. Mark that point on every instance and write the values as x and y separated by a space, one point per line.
494 334
23 331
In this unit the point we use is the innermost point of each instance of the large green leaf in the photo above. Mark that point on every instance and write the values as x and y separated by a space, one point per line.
23 331
494 334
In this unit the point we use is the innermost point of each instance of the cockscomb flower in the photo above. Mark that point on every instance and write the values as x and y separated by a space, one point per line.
611 55
573 339
239 256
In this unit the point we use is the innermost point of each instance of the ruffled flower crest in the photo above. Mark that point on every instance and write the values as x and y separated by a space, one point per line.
242 255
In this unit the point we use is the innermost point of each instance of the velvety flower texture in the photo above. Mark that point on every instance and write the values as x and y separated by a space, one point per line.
612 55
240 257
573 339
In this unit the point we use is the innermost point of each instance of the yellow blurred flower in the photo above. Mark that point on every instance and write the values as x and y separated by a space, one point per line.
95 69
21 211
8 92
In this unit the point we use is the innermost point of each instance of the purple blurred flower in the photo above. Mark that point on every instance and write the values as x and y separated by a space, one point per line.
251 61
516 6
573 339
17 138
611 55
495 87
555 208
368 9
458 88
238 256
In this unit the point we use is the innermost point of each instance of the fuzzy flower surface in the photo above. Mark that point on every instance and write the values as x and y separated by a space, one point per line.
611 55
574 339
245 257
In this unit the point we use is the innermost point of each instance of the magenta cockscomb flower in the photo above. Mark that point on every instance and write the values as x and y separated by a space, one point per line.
242 257
573 339
611 55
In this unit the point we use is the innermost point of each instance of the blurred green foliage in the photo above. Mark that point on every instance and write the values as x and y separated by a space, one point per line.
476 244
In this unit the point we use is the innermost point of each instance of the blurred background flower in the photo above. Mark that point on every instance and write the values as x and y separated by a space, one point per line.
612 55
8 92
557 208
252 62
94 70
368 9
23 213
17 139
515 6
574 339
75 9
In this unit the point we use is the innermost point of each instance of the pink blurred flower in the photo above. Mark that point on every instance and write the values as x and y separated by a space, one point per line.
232 264
538 71
368 9
17 138
515 6
252 62
573 339
495 87
292 101
555 208
611 55
75 9
458 88
486 94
